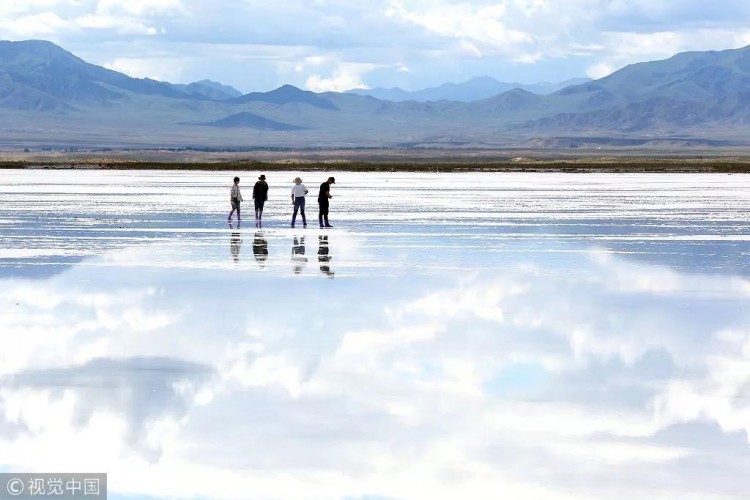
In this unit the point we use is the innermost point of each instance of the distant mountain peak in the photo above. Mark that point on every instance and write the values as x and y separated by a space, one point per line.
483 79
250 120
39 44
209 89
37 48
687 75
291 90
519 91
287 94
206 81
37 69
475 89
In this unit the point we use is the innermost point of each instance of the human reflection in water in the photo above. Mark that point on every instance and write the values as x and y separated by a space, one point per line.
260 249
324 257
298 254
235 242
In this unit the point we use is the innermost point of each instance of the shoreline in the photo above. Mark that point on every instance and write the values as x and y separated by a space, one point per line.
497 160
425 165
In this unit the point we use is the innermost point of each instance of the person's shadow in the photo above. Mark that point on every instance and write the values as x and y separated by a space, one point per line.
298 254
235 243
260 249
324 256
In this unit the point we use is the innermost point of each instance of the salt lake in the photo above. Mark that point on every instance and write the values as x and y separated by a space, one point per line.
472 335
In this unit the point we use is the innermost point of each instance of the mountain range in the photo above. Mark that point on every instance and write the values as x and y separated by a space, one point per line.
210 89
480 87
49 98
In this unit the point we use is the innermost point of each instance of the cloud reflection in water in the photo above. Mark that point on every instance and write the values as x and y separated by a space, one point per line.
532 380
536 351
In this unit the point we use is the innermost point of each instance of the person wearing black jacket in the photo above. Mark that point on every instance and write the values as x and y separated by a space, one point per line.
260 249
323 196
324 257
260 196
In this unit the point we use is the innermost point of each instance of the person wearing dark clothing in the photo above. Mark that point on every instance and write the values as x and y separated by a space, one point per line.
260 196
260 249
323 256
323 196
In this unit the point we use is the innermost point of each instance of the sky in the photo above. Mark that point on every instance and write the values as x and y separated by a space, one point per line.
337 45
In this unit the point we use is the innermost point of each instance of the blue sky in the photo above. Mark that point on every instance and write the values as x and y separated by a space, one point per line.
341 44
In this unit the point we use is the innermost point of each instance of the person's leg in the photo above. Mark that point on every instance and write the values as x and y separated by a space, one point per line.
325 214
231 212
302 210
296 208
320 213
239 218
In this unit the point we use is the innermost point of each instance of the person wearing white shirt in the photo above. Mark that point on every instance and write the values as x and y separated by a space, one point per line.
235 197
298 199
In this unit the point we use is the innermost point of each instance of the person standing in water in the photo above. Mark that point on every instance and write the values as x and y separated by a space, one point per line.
260 196
298 199
323 196
235 197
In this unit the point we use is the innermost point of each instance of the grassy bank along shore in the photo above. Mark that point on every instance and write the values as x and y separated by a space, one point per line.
619 165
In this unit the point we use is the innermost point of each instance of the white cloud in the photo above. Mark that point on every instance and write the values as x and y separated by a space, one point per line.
131 17
25 6
375 343
533 31
156 69
438 40
346 76
478 27
620 48
528 58
35 25
56 19
140 8
114 24
600 70
479 302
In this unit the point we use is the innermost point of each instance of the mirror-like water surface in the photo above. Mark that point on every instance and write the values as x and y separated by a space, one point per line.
524 336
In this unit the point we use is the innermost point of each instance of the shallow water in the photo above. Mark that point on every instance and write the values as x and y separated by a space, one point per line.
453 336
